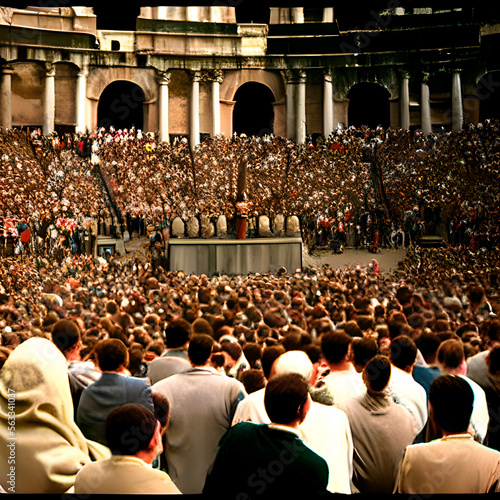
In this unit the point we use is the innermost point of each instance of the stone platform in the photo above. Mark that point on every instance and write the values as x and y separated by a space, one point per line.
233 256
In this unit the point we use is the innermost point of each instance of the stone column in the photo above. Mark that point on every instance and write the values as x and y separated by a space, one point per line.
194 117
290 105
457 110
301 109
6 91
49 100
405 102
425 106
163 79
218 78
327 103
81 100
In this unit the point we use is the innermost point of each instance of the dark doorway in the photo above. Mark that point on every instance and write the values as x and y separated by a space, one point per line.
369 106
120 106
253 112
488 93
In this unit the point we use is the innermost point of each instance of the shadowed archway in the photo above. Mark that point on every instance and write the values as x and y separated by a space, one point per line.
369 105
253 112
121 106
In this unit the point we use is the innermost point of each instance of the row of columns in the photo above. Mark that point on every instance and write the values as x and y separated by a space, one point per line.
49 99
295 109
215 77
457 113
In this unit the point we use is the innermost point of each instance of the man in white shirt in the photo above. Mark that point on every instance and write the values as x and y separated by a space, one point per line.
404 388
451 359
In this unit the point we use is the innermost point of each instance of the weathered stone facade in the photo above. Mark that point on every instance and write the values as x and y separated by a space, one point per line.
185 65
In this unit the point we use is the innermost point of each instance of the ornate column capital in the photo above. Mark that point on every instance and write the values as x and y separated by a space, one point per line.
426 77
290 76
50 69
163 77
327 74
7 69
302 76
196 75
404 73
218 75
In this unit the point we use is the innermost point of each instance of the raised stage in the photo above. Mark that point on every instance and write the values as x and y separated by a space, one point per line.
232 256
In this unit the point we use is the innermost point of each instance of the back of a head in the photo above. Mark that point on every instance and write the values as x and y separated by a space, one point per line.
451 398
177 333
129 429
293 362
377 373
112 307
284 396
493 359
363 349
335 345
200 348
111 354
65 334
253 379
403 352
427 343
451 354
201 325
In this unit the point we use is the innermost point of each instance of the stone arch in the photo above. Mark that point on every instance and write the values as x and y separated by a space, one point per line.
253 113
369 104
144 78
235 79
121 106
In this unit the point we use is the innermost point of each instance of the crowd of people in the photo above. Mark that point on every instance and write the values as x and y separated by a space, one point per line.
362 187
332 380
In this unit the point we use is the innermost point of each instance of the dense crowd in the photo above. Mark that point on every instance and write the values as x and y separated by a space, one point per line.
119 317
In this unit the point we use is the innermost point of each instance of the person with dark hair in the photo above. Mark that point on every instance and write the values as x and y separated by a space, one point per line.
381 430
451 359
66 336
177 336
270 459
406 390
341 380
203 402
426 368
115 388
455 463
253 379
362 350
133 434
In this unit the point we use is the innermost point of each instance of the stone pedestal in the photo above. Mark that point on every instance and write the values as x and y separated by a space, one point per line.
292 227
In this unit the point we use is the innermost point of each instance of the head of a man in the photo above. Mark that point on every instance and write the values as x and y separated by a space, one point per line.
450 404
287 399
377 374
200 349
133 429
112 355
66 336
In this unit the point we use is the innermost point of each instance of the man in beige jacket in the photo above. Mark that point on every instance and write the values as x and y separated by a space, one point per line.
134 437
455 463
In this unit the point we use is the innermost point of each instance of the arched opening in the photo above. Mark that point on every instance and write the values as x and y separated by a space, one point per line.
488 93
253 112
121 106
369 105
